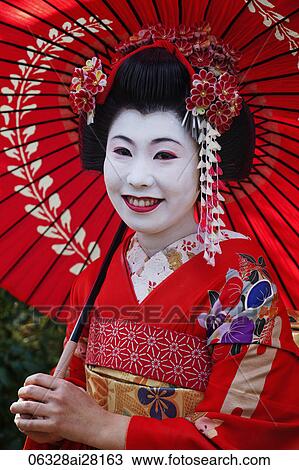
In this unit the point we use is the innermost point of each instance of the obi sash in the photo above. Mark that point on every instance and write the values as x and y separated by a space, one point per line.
122 393
157 353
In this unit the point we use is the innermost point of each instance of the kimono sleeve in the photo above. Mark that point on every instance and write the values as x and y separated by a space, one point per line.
250 401
75 374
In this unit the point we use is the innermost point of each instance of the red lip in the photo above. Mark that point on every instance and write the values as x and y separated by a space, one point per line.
141 209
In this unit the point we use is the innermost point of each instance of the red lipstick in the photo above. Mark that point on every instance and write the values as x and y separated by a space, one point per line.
141 209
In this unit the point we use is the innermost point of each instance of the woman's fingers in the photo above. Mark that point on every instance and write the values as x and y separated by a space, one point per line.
28 407
35 425
35 392
43 380
23 415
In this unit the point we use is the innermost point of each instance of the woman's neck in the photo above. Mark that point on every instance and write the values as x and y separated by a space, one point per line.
152 243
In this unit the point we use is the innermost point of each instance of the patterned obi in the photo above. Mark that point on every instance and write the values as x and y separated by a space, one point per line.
139 369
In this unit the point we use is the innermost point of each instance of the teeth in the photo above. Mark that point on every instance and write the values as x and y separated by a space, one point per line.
150 202
142 202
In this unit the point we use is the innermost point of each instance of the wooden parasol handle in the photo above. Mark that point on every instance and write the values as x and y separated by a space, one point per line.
65 359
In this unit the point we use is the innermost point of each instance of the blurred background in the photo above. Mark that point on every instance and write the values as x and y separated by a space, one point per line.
29 343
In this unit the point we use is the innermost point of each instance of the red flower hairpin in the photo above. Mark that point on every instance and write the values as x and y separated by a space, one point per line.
215 98
86 83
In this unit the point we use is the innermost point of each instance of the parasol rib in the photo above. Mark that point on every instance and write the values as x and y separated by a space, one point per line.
43 278
52 25
259 240
48 172
265 31
269 59
97 38
29 162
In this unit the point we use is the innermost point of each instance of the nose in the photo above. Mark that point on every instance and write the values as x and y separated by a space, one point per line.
139 175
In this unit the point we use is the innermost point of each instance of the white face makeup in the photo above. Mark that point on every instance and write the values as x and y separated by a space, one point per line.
150 157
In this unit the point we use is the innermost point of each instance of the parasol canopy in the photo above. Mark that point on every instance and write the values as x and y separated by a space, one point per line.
57 218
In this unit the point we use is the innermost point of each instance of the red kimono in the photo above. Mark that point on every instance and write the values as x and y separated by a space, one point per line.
205 361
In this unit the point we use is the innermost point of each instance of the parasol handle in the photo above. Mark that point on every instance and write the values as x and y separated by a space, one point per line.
65 359
71 345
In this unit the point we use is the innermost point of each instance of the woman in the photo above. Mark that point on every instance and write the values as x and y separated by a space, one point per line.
183 351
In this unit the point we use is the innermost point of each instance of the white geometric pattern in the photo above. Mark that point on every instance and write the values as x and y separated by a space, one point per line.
150 351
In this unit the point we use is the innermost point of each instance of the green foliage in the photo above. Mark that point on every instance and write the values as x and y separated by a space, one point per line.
29 343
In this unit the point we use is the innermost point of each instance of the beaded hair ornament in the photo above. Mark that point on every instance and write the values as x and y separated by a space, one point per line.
213 102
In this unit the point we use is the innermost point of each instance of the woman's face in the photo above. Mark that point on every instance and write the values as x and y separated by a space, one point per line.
150 170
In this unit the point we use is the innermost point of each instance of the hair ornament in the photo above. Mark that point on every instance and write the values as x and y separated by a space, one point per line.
86 83
213 103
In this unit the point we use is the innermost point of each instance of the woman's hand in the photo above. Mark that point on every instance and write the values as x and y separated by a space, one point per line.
40 437
66 411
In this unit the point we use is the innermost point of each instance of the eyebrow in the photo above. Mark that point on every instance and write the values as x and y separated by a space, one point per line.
154 141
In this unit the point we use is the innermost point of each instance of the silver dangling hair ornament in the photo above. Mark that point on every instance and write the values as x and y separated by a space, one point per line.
209 228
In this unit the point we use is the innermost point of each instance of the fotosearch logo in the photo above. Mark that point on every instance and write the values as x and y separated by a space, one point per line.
134 313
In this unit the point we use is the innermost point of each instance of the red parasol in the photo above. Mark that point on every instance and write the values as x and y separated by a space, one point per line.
57 218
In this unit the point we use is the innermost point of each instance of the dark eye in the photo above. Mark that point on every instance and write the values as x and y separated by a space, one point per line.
122 151
164 156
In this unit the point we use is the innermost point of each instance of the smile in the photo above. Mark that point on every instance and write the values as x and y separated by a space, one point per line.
142 204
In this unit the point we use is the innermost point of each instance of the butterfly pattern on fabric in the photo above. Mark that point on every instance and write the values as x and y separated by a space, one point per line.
244 310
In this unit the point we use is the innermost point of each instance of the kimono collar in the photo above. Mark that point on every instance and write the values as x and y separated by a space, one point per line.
174 254
148 272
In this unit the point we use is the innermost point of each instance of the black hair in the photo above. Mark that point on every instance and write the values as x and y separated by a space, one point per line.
151 80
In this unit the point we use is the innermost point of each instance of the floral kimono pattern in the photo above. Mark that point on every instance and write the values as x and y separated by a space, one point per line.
242 312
